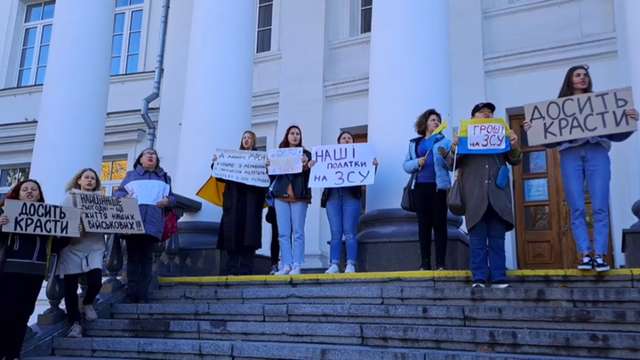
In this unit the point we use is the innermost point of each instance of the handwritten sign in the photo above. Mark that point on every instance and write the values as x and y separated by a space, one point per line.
41 219
580 116
248 167
285 161
109 215
342 165
484 136
487 137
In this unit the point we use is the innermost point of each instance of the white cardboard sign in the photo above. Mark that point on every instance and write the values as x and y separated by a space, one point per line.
342 165
285 161
247 167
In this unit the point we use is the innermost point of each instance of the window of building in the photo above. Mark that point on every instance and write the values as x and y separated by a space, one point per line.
11 175
261 143
34 49
113 171
126 38
365 16
265 22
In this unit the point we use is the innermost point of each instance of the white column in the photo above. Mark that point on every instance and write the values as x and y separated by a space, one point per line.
302 98
632 11
625 189
408 73
217 97
70 132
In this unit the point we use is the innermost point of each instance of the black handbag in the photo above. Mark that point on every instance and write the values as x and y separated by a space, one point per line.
408 198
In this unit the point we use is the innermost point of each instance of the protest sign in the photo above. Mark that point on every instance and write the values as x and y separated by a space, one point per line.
484 136
285 161
42 219
579 116
342 165
109 215
247 167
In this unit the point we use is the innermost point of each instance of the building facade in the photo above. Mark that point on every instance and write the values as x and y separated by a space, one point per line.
73 76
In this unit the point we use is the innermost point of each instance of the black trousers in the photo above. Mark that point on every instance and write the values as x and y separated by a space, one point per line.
94 284
275 245
18 296
240 262
139 261
431 206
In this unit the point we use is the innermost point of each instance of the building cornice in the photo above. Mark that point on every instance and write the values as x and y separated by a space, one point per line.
595 46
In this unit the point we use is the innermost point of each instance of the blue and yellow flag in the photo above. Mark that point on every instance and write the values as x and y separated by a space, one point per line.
484 136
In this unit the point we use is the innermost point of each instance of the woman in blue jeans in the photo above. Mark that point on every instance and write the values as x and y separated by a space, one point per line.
292 196
587 159
343 212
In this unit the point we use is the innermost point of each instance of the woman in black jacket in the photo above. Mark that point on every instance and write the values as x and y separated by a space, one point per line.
21 273
292 196
240 232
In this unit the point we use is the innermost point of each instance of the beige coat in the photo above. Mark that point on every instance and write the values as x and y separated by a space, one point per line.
82 254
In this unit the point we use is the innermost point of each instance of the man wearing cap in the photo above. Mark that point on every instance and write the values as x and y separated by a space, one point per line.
486 195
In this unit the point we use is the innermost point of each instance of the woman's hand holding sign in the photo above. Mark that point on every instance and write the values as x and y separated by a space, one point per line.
513 138
632 114
4 220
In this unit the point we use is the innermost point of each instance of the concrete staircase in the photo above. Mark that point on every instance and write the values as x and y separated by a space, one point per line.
408 315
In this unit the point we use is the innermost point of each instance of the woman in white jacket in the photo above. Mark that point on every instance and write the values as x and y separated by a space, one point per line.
83 256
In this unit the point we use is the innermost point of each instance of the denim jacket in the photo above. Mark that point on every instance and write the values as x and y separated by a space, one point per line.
411 165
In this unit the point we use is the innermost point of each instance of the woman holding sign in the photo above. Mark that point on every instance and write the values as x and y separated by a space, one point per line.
343 212
431 184
151 186
292 196
82 257
22 270
240 232
486 195
587 159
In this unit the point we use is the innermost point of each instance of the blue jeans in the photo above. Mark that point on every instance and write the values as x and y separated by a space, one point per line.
343 212
588 162
487 248
290 217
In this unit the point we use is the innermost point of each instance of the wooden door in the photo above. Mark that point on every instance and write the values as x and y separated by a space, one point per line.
543 222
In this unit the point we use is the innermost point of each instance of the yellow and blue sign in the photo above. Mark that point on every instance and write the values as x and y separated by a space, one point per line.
484 136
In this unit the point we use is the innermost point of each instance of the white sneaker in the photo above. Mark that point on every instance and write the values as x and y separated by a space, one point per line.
90 313
350 268
284 271
295 270
75 331
333 269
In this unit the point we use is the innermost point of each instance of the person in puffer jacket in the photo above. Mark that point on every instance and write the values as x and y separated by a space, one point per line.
22 271
151 186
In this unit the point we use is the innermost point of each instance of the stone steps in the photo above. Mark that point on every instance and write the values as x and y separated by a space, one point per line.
412 315
148 348
517 340
541 317
414 293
